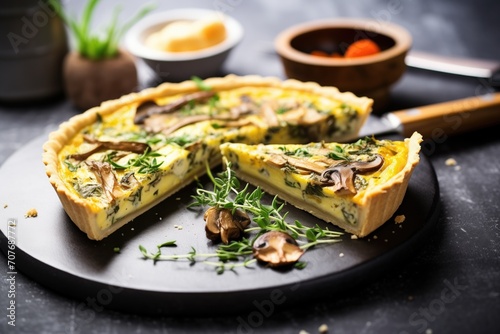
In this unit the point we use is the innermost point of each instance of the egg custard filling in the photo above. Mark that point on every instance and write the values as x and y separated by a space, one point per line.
115 161
356 186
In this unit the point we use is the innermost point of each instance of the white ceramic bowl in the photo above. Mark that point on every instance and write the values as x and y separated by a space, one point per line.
178 66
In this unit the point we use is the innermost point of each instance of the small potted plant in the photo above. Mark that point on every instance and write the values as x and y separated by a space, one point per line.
97 69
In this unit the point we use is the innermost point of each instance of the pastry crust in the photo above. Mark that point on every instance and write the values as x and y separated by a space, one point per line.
84 215
375 207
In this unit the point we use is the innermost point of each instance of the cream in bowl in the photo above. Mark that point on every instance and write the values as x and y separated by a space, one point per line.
182 36
178 44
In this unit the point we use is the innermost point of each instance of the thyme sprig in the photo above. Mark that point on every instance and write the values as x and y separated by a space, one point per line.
227 193
146 162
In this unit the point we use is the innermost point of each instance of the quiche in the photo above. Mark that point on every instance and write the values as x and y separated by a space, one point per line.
356 186
115 161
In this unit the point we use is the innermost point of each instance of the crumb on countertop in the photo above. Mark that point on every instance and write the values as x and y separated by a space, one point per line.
450 162
323 329
399 219
354 236
341 255
31 213
5 206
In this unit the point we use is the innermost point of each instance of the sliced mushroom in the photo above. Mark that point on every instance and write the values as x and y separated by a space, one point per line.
222 224
149 108
129 181
184 121
304 116
269 115
167 123
247 106
293 116
128 146
277 160
212 227
341 176
307 166
105 176
146 109
237 123
277 249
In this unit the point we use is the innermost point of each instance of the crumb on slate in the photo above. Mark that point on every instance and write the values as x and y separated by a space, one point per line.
450 162
399 219
31 213
323 329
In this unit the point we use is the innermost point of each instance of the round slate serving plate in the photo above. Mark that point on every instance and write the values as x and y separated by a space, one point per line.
53 251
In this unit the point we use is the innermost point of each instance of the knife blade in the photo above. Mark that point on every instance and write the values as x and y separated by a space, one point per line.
478 68
437 120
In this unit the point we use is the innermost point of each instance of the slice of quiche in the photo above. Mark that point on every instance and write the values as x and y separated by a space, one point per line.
113 162
356 186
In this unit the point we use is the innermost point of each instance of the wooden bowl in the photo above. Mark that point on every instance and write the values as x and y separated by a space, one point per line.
369 76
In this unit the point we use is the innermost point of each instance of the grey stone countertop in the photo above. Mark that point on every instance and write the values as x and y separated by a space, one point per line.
450 285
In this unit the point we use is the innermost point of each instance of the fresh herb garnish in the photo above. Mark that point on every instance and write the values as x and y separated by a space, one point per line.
338 153
227 193
299 152
72 167
146 162
89 189
201 84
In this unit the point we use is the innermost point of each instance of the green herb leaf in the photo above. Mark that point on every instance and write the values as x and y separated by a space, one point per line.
168 244
201 84
96 45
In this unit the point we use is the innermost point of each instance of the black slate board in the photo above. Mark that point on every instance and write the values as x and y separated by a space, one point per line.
51 250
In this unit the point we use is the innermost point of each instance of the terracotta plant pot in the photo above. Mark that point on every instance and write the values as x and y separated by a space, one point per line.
89 82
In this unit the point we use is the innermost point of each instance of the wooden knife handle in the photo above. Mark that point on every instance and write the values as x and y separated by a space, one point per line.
449 118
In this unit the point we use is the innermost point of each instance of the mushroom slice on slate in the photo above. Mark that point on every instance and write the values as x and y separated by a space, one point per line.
222 224
277 249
